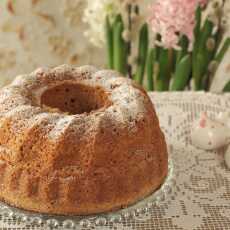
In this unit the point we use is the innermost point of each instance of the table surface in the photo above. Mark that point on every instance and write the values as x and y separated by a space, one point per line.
201 193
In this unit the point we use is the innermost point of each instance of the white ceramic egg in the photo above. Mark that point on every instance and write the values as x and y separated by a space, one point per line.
209 134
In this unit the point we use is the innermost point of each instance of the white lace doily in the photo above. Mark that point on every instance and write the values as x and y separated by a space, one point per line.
198 195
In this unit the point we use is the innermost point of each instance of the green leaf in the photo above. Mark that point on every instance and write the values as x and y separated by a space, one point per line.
174 60
220 55
183 43
119 48
163 61
109 42
218 36
150 69
197 32
197 71
207 54
227 87
142 53
205 34
182 74
162 80
201 55
198 21
117 19
158 48
201 40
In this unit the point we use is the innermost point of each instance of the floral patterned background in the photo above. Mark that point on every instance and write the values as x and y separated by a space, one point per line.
37 33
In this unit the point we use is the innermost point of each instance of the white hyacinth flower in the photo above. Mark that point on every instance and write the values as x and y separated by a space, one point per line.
95 14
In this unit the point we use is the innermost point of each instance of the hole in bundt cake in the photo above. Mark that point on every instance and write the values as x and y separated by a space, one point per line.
74 98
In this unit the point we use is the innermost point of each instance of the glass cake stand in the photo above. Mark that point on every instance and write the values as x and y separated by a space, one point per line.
72 222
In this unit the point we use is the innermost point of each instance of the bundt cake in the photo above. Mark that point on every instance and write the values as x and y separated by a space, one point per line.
78 141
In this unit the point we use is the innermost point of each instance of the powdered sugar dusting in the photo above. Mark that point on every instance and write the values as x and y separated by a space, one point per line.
21 111
61 125
128 101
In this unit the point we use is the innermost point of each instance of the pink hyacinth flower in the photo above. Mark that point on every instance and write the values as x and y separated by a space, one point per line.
170 18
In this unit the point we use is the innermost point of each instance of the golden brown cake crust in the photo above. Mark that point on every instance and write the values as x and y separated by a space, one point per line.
78 141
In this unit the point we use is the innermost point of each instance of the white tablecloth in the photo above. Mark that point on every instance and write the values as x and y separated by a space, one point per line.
200 197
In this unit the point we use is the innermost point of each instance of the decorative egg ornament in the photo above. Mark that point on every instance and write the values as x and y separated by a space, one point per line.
209 134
